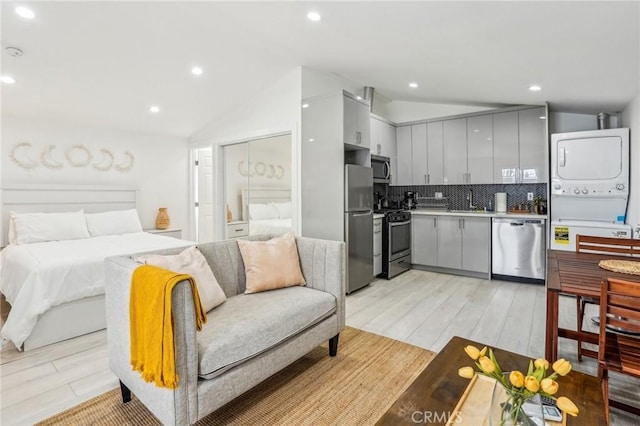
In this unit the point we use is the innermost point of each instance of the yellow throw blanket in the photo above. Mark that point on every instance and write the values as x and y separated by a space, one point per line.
152 345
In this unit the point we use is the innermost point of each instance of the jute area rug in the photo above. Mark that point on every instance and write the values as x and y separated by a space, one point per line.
355 388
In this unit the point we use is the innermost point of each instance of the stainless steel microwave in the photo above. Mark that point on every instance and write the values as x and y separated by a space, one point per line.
381 169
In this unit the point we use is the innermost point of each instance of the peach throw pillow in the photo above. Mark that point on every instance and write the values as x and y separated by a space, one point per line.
271 264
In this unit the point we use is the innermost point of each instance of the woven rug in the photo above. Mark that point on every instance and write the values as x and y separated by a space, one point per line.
355 388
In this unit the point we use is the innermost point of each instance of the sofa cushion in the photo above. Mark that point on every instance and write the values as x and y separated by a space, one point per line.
250 324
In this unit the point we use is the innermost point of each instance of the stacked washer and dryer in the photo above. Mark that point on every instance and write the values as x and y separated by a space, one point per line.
589 185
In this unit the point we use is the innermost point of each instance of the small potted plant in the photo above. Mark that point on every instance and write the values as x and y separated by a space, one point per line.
540 205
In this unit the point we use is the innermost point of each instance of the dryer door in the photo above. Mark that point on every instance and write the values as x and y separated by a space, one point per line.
589 159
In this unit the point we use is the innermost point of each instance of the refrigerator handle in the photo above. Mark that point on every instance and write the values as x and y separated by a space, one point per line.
368 213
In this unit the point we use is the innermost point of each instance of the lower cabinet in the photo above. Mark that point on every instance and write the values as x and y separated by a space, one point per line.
377 247
453 242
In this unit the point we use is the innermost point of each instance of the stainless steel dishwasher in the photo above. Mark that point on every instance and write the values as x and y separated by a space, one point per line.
518 249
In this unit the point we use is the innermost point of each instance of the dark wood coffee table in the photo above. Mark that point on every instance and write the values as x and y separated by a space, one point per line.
438 388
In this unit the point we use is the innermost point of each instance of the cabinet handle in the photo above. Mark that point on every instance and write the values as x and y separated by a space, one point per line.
468 177
425 179
462 223
434 222
428 178
239 230
358 138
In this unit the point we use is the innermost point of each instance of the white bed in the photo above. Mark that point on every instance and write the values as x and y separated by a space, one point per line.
268 210
56 288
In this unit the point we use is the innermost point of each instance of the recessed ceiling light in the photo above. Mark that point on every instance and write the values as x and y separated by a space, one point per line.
475 130
25 12
154 109
413 85
305 105
535 88
7 79
196 71
314 16
542 117
311 139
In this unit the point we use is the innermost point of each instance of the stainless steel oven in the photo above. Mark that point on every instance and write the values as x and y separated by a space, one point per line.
396 243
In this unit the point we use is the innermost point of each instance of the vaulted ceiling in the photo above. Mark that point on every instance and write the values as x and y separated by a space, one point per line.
106 63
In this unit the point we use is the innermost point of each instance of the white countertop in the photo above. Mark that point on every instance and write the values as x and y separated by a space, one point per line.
378 216
426 212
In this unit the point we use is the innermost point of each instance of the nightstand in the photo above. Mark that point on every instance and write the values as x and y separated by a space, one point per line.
237 229
171 232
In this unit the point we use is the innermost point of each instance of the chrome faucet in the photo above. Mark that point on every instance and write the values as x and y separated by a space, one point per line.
470 198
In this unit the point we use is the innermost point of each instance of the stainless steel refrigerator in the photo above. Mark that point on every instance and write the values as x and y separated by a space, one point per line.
358 222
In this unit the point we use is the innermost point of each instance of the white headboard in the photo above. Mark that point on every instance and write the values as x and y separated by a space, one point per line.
60 198
263 196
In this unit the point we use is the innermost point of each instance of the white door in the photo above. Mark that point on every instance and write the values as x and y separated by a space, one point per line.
589 158
480 149
435 148
419 154
204 194
403 138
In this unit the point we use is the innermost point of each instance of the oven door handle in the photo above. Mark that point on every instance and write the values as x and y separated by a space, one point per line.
392 224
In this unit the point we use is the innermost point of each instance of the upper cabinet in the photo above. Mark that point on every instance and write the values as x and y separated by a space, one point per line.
455 151
403 139
419 154
480 149
383 142
435 150
356 122
519 146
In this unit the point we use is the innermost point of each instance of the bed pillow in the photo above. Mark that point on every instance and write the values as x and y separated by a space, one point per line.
11 235
113 223
262 212
192 262
283 209
41 227
271 264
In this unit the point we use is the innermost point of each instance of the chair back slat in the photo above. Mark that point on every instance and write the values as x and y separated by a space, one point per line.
620 301
629 314
619 246
624 324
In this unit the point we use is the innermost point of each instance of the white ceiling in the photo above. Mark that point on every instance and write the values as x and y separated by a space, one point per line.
105 63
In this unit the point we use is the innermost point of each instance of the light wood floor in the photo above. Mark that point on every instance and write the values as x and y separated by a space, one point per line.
422 308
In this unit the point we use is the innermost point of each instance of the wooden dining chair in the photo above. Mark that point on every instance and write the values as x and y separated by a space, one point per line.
619 348
615 246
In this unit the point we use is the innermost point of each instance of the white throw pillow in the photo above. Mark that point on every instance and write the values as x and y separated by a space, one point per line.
113 223
283 209
41 227
191 262
262 212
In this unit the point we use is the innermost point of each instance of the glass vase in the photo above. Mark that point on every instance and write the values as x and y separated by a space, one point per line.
514 407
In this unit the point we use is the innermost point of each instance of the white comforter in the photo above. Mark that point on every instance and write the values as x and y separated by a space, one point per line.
36 277
269 226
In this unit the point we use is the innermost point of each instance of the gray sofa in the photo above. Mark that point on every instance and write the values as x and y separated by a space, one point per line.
245 340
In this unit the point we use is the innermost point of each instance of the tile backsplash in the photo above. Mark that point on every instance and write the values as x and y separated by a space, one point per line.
483 195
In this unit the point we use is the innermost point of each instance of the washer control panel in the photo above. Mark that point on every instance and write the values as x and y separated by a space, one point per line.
585 189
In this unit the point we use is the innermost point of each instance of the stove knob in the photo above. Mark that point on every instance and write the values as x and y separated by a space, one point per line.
620 186
557 186
585 191
576 191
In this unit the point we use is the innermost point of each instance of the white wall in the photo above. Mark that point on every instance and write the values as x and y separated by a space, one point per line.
275 110
402 111
562 122
631 119
159 172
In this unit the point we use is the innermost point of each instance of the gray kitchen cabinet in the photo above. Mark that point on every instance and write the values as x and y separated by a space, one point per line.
450 242
419 154
455 151
480 149
377 246
356 122
383 142
424 240
403 139
506 161
519 141
532 135
435 152
476 244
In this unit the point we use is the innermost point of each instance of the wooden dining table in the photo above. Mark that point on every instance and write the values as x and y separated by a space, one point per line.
576 274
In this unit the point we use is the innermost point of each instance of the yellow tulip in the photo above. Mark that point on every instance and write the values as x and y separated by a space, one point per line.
562 367
566 405
483 352
466 372
531 384
516 378
549 386
541 362
473 352
487 365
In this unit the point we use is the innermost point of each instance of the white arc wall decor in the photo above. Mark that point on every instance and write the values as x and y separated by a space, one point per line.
20 155
47 160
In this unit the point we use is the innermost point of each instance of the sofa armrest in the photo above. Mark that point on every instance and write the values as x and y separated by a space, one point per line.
323 266
177 406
